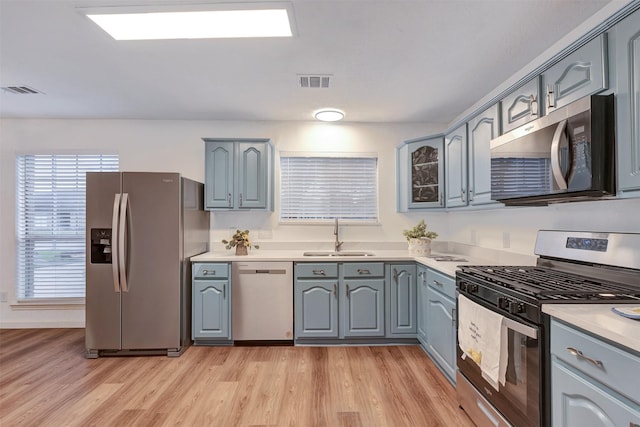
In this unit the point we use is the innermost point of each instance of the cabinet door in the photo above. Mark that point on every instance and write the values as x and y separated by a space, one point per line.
582 73
441 331
218 185
426 174
482 129
363 307
521 106
316 309
211 309
627 54
403 299
576 401
422 305
455 144
252 164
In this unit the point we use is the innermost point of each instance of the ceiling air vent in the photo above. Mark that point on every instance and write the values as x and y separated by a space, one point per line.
20 90
314 81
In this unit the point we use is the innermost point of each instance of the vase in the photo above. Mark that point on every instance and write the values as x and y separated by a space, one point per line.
420 247
241 250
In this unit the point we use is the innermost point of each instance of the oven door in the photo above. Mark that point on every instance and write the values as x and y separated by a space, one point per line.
519 399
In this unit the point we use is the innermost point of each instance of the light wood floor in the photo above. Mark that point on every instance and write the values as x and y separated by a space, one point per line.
46 381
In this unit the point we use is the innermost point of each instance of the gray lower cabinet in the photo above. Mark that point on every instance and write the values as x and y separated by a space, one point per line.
339 300
402 300
440 306
211 303
593 383
627 56
422 305
581 73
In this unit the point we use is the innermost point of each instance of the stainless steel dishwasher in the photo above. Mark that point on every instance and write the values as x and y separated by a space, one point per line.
262 301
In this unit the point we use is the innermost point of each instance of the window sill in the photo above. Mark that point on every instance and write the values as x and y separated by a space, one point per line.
50 304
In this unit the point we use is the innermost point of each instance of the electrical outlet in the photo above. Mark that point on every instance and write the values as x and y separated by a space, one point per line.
506 239
4 297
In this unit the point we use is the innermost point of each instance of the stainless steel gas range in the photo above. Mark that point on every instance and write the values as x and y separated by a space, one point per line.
572 267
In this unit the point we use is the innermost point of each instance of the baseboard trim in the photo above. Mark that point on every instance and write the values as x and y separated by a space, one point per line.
41 325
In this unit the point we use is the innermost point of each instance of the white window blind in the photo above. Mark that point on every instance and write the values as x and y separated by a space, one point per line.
324 188
50 224
519 177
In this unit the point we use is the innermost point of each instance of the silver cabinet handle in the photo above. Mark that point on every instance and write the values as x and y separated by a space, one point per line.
229 200
224 291
580 355
347 291
453 317
335 289
395 276
438 283
240 199
471 194
551 100
441 199
462 194
206 272
533 106
318 272
363 271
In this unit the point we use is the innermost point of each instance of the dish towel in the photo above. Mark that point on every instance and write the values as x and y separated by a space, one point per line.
481 337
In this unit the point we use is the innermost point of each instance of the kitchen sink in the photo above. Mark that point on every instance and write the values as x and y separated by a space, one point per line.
341 253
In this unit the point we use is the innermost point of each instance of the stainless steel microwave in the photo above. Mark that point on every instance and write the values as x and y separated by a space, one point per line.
567 155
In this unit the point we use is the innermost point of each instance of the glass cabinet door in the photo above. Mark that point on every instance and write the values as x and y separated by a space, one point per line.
426 173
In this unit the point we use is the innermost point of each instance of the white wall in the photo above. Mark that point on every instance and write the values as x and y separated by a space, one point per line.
177 146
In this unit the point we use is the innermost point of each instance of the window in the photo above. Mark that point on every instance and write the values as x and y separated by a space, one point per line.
324 188
50 224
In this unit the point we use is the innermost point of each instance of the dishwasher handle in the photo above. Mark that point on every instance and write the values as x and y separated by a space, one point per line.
263 271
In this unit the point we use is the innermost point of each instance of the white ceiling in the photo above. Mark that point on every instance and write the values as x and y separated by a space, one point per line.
390 60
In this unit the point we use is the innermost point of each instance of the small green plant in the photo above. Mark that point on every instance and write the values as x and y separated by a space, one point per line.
419 231
240 238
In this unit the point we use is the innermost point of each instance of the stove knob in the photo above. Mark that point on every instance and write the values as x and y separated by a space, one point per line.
503 303
473 288
515 307
463 286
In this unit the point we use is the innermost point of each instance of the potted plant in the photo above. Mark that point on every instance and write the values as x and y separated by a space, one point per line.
419 239
240 240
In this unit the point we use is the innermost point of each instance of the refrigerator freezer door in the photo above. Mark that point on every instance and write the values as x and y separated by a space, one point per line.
102 300
151 305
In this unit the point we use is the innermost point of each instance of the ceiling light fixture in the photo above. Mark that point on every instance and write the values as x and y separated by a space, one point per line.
195 24
329 115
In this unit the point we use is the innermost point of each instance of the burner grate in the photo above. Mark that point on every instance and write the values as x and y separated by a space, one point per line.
544 283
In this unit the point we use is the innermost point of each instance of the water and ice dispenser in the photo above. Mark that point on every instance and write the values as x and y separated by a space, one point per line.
100 246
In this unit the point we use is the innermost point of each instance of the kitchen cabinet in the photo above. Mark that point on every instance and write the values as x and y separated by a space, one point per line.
422 305
482 129
211 303
402 285
521 105
591 380
420 169
627 56
339 300
441 322
238 174
581 73
455 145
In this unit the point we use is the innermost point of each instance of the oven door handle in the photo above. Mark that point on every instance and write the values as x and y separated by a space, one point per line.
521 328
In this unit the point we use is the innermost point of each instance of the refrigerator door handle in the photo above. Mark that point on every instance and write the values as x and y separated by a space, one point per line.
124 211
115 224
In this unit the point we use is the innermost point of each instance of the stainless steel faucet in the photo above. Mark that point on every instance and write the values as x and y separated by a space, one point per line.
335 233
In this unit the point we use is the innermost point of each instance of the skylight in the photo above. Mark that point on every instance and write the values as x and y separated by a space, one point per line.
195 24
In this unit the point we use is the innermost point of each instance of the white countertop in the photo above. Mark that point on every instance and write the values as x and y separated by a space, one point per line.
446 267
599 320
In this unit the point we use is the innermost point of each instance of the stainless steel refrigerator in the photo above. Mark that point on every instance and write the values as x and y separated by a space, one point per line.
142 229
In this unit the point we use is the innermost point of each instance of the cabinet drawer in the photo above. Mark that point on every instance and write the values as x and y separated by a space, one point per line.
606 363
210 270
441 282
364 269
316 270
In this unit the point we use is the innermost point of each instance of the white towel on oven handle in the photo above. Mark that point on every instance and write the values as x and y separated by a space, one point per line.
482 337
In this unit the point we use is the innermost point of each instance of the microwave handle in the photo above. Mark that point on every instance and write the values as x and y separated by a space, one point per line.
558 138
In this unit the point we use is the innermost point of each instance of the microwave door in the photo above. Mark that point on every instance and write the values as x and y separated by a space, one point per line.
560 157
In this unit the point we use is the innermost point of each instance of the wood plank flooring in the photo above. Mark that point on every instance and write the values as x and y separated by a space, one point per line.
46 381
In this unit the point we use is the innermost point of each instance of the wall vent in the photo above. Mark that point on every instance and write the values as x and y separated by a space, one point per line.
316 81
20 90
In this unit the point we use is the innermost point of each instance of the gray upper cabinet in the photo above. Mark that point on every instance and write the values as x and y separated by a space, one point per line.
482 129
521 106
420 168
455 144
627 56
238 174
582 73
